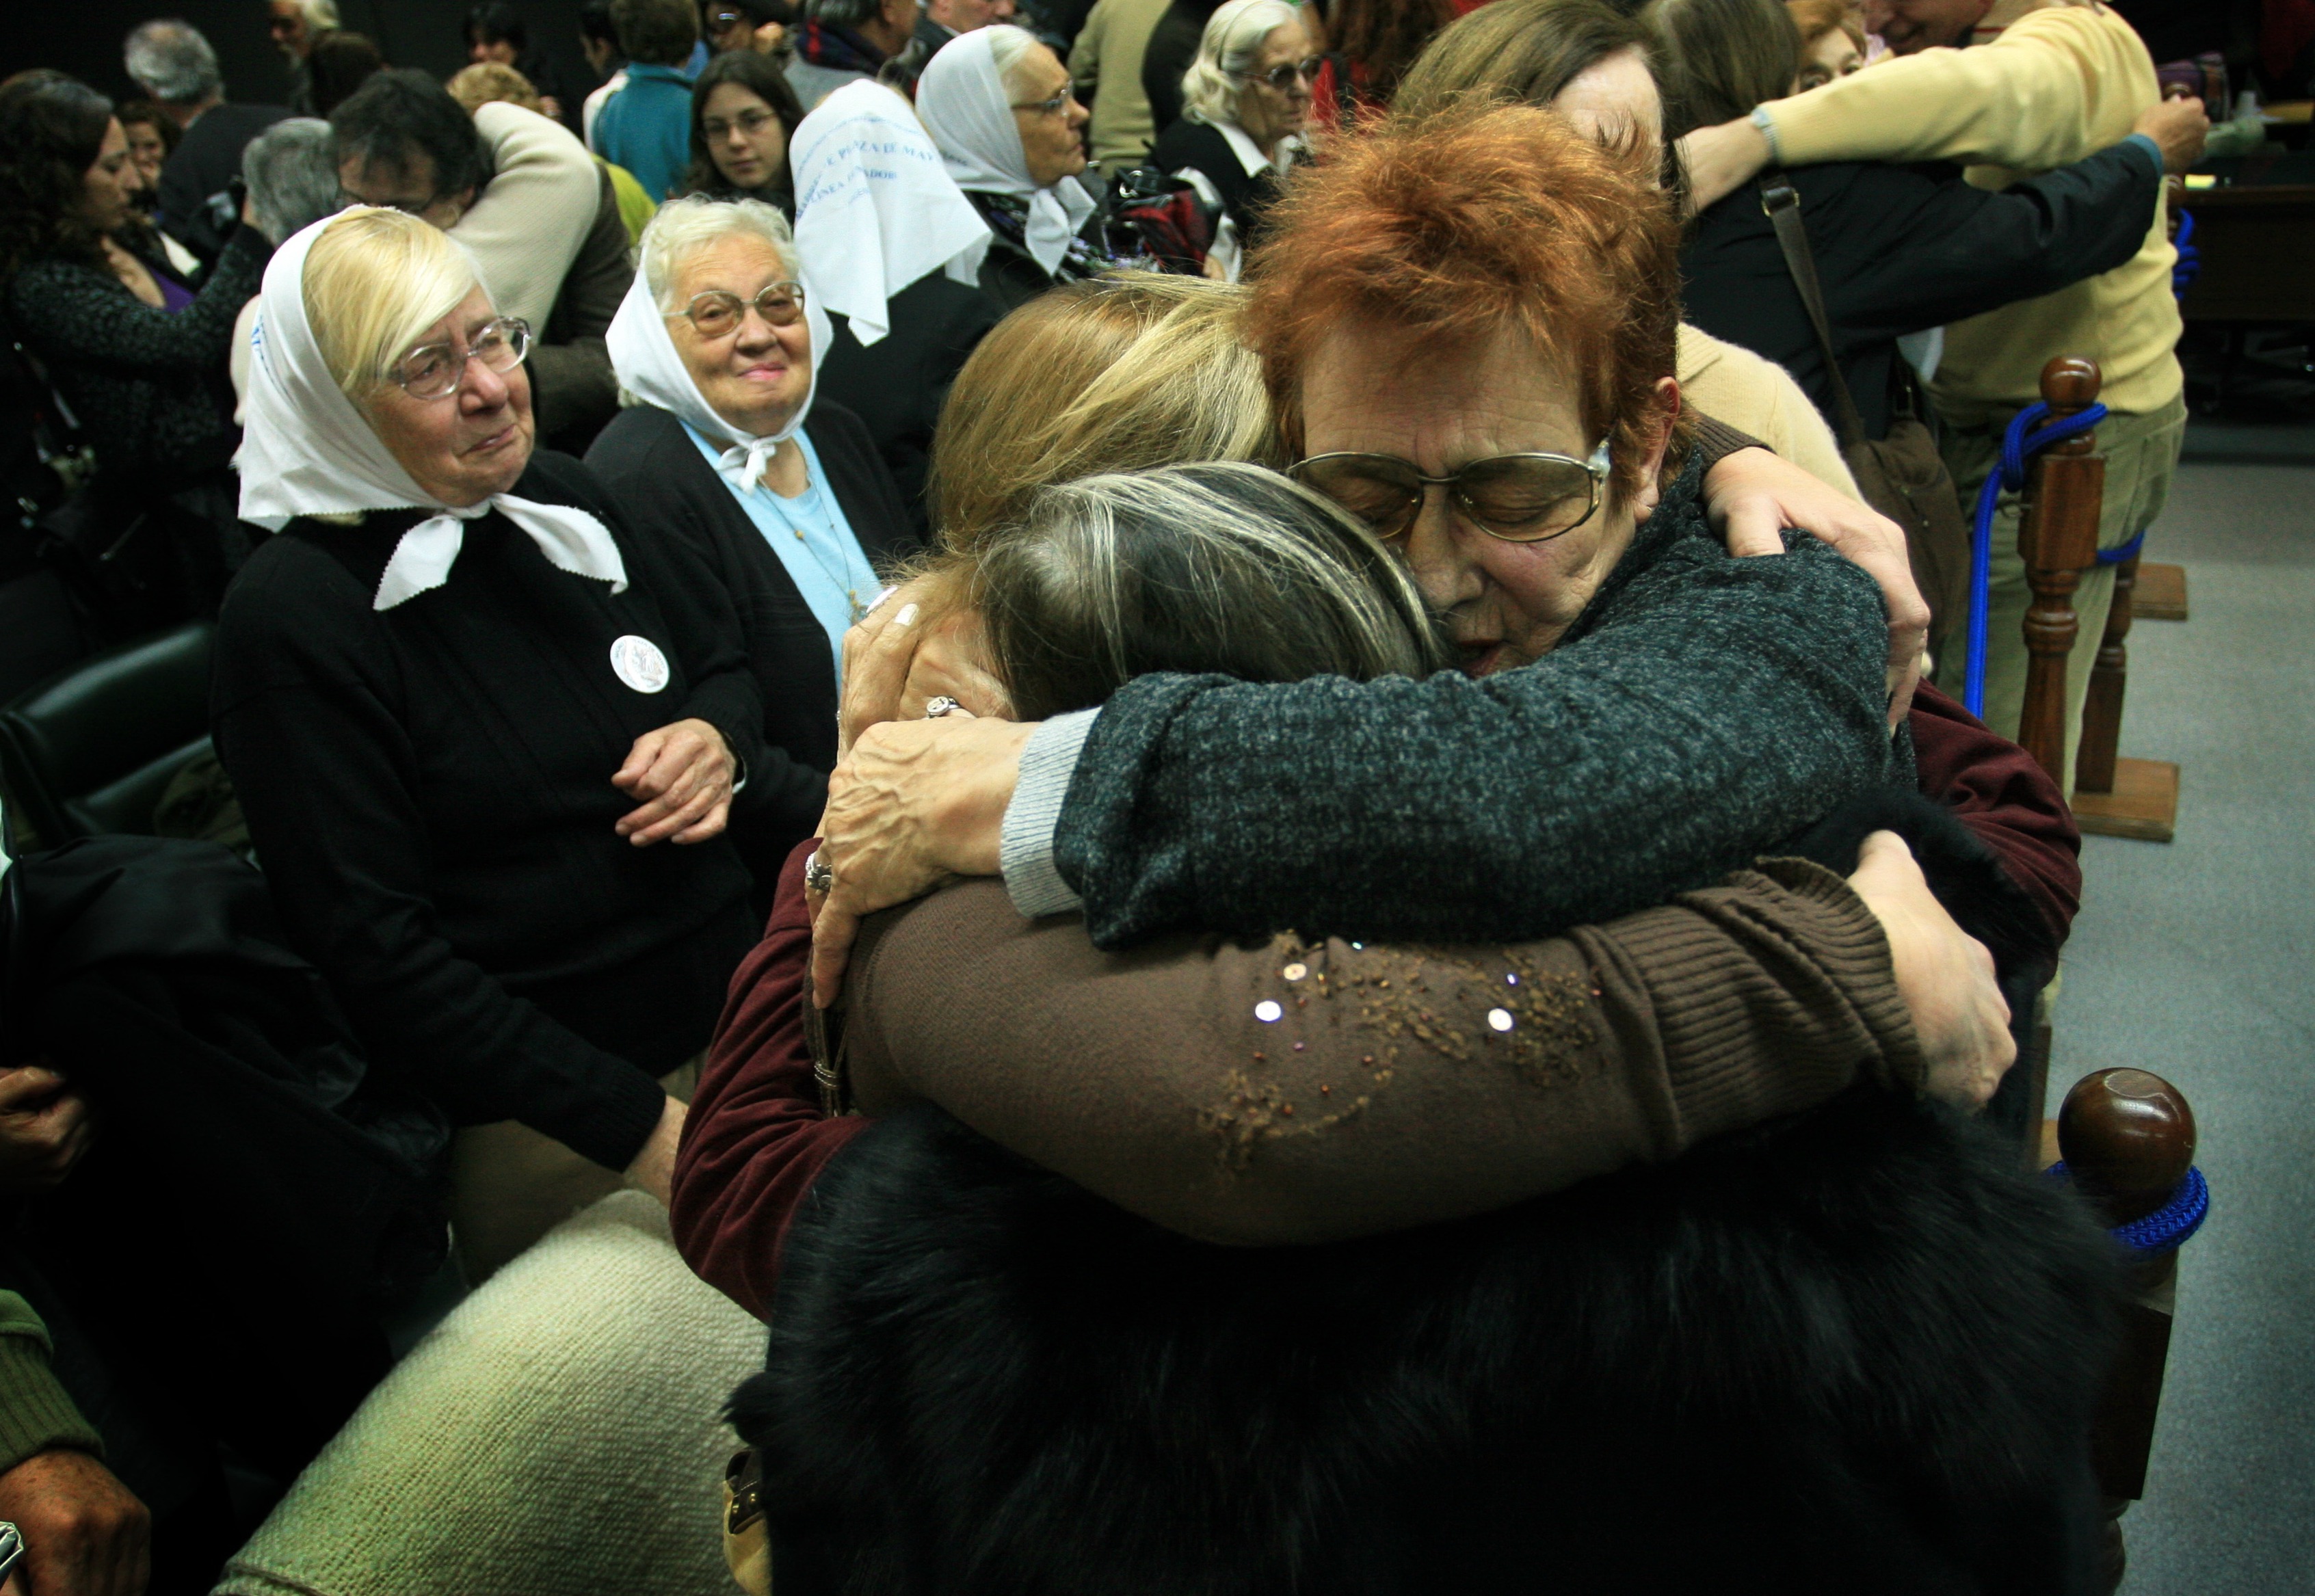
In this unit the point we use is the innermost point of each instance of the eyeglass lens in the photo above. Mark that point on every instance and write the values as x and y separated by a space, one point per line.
1307 70
433 371
751 122
716 313
1524 499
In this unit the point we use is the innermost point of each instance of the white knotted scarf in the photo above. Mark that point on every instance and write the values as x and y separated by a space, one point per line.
875 209
649 367
306 450
964 105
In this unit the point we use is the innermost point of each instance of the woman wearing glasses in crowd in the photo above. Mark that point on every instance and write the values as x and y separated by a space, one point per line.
487 739
719 341
998 104
1246 100
743 116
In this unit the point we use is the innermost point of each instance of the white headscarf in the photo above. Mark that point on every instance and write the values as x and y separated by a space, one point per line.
965 105
649 367
875 210
306 450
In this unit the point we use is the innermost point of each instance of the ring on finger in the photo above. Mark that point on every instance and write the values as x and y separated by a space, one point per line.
819 875
939 705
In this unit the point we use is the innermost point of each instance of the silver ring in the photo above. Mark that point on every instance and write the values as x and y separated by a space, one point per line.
819 875
938 706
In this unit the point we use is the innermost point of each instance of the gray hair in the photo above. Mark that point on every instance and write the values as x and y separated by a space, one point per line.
691 223
172 62
1008 47
291 173
320 14
1226 53
1219 566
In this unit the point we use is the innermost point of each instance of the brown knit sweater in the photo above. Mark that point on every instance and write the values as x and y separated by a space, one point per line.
1290 1092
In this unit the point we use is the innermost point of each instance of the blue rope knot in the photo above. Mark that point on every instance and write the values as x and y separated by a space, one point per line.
2189 265
2167 1227
2020 440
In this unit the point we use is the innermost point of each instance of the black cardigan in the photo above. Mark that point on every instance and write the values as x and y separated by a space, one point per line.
1246 196
429 788
1899 249
898 385
663 485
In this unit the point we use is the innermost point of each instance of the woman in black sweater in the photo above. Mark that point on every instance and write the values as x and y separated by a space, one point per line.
467 712
1246 100
137 354
794 518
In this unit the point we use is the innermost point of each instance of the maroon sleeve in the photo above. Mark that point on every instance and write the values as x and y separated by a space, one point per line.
2002 794
756 1137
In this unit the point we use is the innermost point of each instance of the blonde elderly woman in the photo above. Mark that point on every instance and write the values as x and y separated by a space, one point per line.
486 738
719 340
998 105
1246 100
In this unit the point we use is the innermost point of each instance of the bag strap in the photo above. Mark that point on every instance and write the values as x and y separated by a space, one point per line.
1783 206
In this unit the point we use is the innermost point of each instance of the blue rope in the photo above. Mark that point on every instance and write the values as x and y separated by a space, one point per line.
2167 1227
2128 551
2190 257
2017 442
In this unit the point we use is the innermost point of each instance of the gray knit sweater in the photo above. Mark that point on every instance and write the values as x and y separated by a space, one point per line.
1701 710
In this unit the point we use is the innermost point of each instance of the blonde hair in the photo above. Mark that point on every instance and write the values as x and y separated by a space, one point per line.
1226 53
375 281
487 81
1160 375
682 226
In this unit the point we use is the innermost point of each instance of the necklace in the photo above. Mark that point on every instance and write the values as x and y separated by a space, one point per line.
808 512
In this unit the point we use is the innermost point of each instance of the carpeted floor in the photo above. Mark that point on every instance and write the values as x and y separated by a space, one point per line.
2197 961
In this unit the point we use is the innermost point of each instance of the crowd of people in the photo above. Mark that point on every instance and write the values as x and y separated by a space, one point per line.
1198 734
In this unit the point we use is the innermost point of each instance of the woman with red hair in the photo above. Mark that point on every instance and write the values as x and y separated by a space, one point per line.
982 1379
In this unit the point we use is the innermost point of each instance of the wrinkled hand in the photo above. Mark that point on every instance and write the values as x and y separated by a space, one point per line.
84 1534
653 1169
1945 974
2179 124
682 773
1752 496
1721 160
950 660
878 650
45 1127
913 803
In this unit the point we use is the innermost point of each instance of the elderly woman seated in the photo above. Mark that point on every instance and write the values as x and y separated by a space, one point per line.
1246 100
486 737
718 340
976 1366
998 104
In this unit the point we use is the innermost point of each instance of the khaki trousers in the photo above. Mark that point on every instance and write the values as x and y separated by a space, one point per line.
509 1185
2141 453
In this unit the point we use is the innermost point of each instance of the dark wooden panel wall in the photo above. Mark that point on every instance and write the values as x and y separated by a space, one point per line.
83 37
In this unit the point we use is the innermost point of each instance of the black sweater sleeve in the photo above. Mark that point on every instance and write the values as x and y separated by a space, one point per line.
1949 250
1708 708
308 726
72 312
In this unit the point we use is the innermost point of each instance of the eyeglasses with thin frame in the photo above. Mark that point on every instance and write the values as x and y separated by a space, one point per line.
717 312
1282 76
436 370
1523 498
751 122
1052 107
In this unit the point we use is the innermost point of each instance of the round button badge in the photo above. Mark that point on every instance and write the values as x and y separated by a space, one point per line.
637 661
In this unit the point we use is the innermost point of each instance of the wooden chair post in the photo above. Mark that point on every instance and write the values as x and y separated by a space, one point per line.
2058 536
2128 1139
2109 679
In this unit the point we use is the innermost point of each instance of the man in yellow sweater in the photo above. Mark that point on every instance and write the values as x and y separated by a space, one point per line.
2010 88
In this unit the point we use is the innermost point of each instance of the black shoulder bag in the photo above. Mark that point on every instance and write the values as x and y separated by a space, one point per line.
1902 476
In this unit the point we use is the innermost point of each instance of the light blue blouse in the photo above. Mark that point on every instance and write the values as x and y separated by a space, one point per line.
815 544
